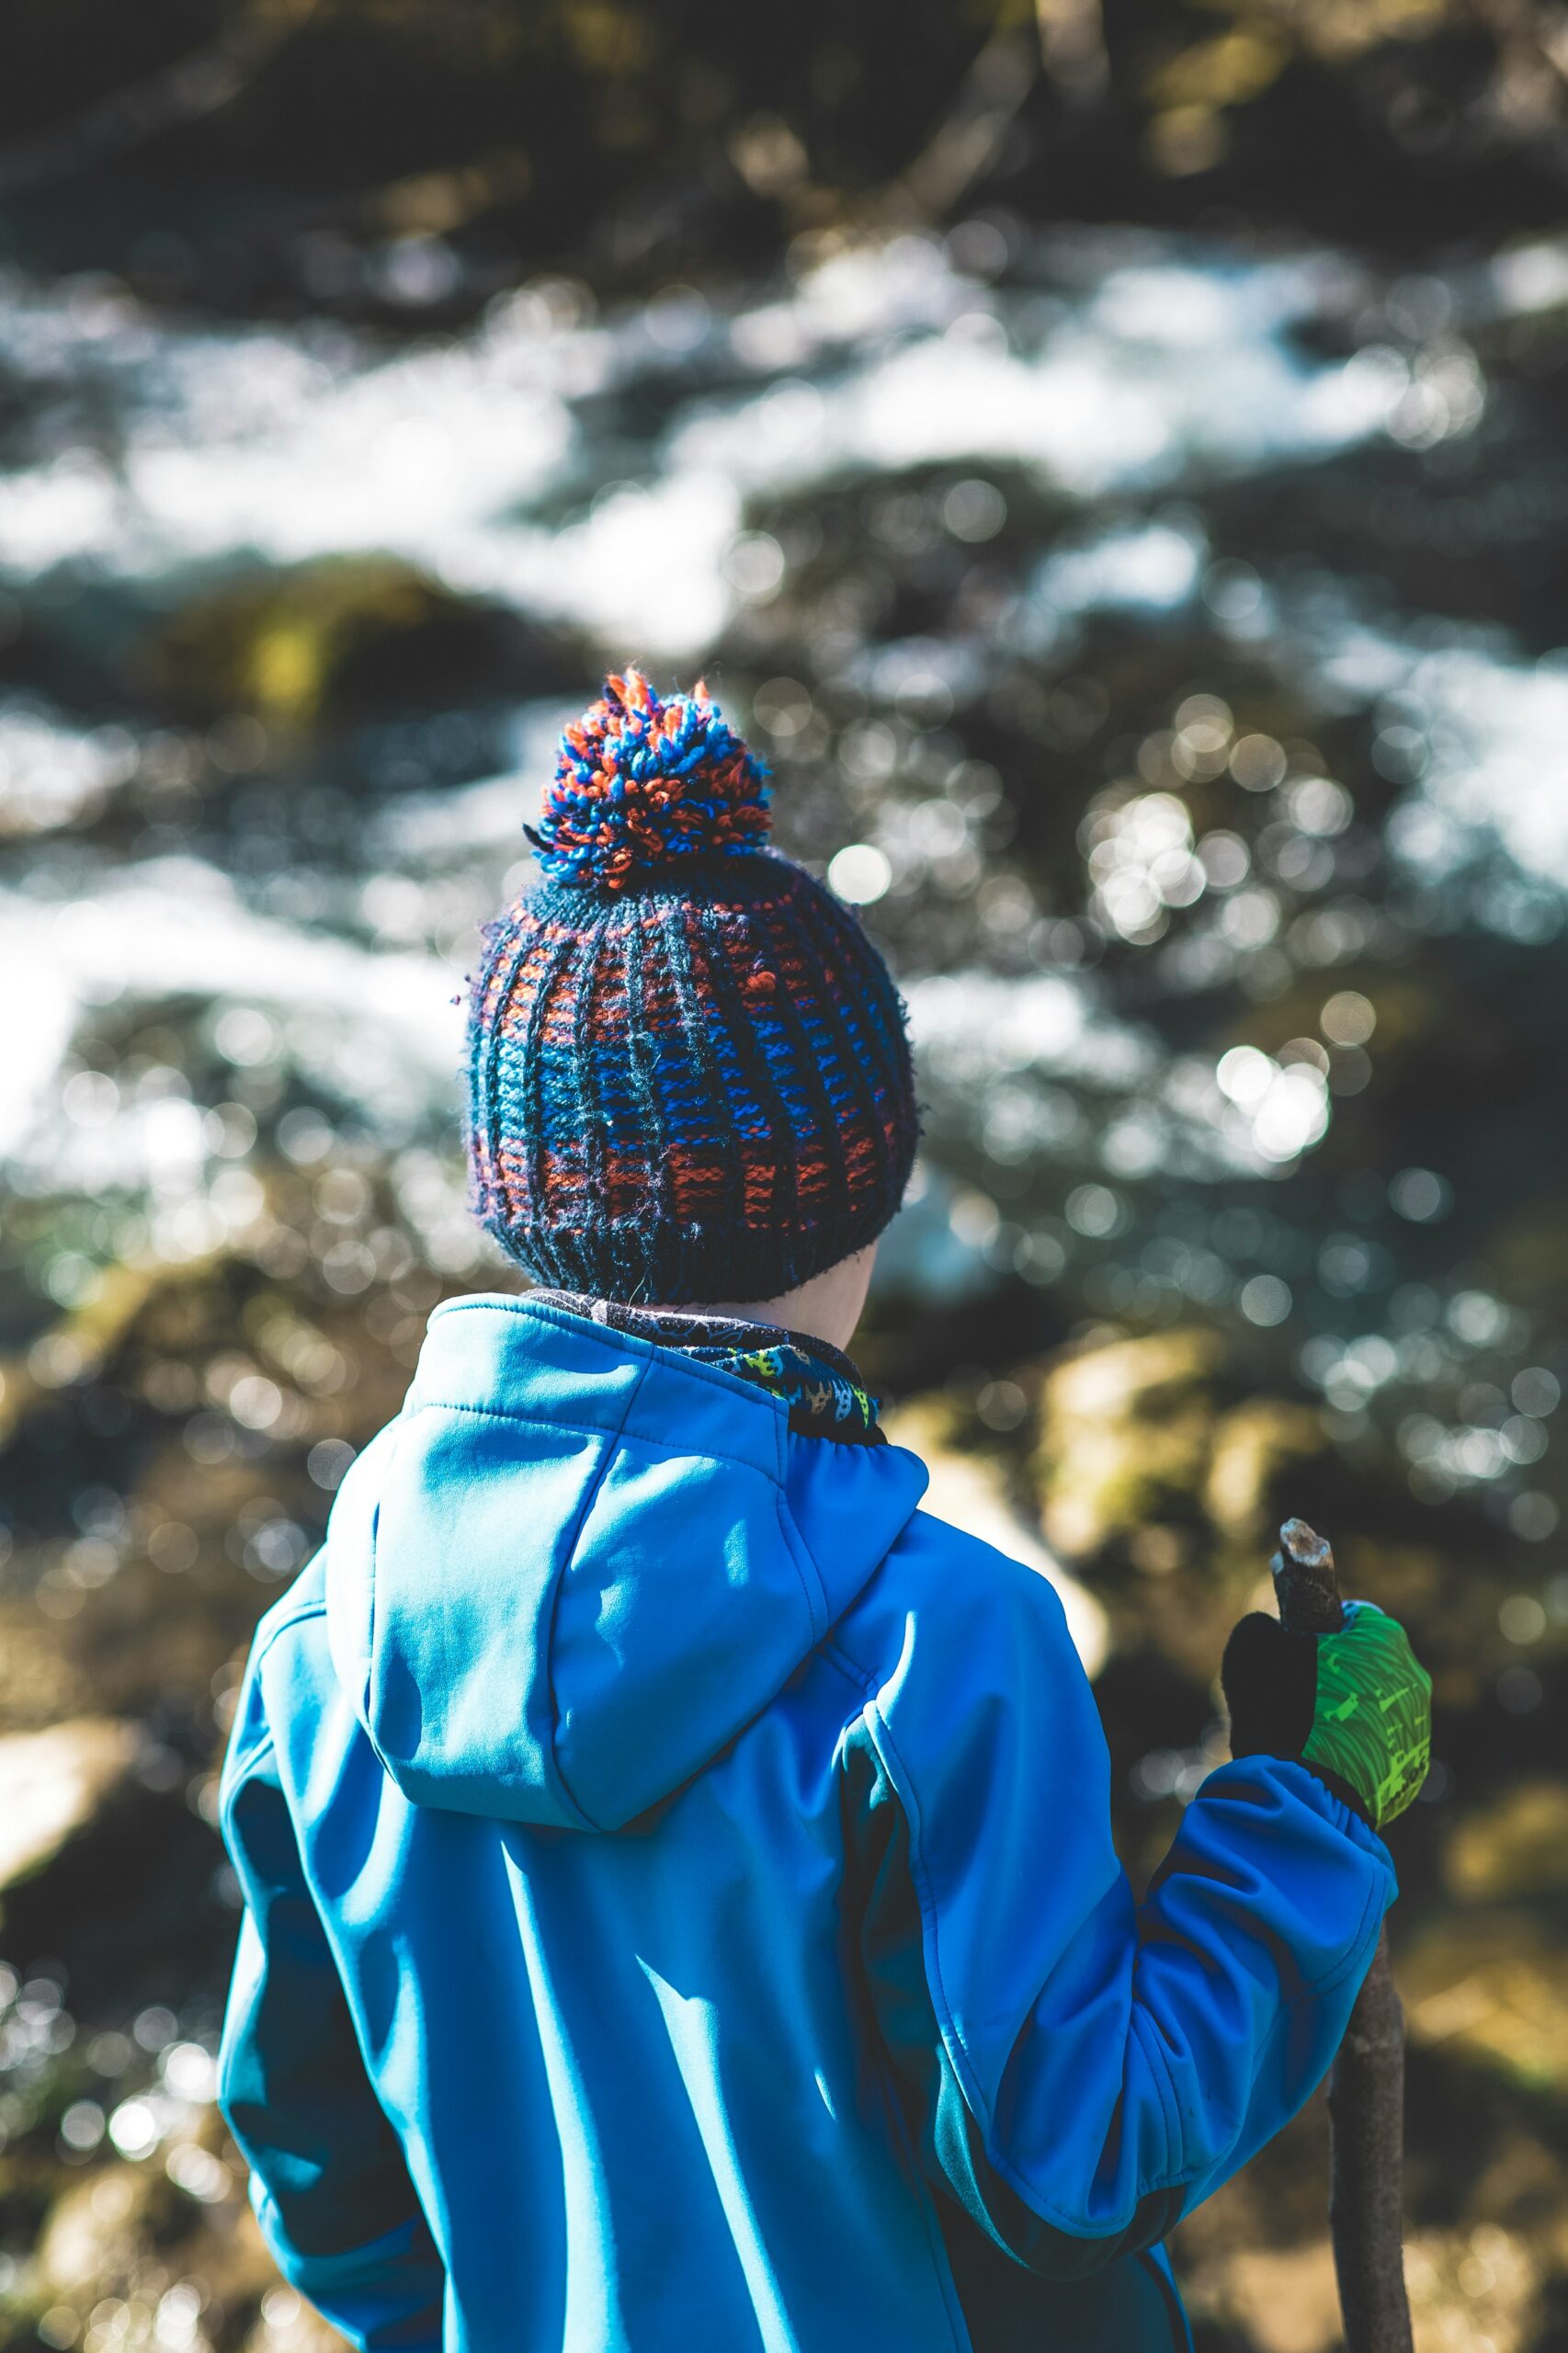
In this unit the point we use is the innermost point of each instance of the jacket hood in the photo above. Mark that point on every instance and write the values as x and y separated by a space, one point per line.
577 1564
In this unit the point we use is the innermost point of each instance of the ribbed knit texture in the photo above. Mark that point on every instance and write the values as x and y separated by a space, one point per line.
689 1077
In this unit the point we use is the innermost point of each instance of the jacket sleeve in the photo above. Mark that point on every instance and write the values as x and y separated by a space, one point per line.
1080 2071
328 2182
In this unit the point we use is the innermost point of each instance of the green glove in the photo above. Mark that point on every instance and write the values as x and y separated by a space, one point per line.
1354 1706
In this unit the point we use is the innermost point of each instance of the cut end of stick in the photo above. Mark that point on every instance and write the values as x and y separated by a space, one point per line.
1304 1547
1305 1582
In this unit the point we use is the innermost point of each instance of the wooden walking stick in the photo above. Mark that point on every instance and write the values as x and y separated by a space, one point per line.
1366 2101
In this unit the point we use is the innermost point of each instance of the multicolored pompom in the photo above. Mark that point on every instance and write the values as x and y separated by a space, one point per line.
642 785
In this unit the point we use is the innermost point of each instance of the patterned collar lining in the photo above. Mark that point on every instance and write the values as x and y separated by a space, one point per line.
824 1393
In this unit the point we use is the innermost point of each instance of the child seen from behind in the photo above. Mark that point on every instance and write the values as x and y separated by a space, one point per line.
681 1914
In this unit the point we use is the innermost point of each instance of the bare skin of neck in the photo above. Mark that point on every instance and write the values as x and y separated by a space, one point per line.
827 1308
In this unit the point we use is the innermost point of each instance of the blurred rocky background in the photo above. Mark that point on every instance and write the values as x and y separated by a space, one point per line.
1114 462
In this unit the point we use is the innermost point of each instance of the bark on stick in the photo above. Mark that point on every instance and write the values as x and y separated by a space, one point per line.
1366 2101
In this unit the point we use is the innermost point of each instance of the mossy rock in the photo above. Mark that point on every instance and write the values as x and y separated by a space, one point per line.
125 2230
1127 1433
1138 1378
39 1685
1254 1448
98 2231
1144 1445
1516 1848
52 1783
1490 1983
341 635
969 1489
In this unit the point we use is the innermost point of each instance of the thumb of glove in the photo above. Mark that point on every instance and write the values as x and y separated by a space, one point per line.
1269 1678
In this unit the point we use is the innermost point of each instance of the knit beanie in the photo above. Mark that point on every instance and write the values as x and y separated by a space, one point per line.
689 1076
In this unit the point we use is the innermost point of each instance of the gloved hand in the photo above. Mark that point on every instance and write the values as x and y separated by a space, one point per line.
1356 1707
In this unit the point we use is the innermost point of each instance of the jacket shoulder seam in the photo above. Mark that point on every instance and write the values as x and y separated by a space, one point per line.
836 1656
240 1761
908 1798
800 1552
299 1617
243 1761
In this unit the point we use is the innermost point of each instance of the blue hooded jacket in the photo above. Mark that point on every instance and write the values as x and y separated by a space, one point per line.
680 1906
